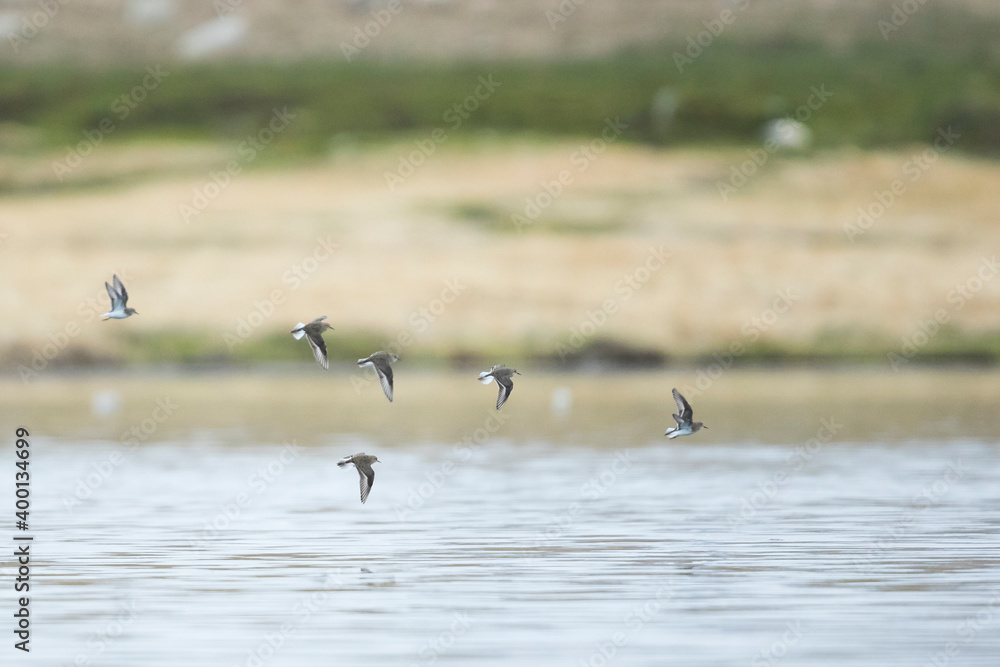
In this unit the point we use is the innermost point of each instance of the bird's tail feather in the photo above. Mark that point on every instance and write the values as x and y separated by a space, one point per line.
297 332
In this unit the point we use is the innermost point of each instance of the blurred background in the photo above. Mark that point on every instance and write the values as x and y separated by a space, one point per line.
808 180
787 209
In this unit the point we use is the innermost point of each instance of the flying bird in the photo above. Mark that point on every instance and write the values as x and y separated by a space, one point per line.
119 297
314 335
684 424
363 462
502 375
380 362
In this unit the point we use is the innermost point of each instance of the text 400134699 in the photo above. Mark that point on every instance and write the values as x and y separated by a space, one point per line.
22 543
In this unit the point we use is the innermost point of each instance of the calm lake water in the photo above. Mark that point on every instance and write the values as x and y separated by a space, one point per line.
825 518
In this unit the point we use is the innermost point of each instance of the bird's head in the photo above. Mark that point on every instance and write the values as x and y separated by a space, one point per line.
131 311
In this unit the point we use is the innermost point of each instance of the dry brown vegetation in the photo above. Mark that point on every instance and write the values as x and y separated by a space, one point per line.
521 292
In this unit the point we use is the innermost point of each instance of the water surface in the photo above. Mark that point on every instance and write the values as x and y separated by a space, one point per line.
860 527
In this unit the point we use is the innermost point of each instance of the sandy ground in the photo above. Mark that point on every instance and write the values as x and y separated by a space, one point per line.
448 407
639 247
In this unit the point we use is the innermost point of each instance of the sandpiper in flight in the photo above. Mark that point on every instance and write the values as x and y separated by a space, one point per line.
684 424
119 297
314 335
502 375
380 362
363 462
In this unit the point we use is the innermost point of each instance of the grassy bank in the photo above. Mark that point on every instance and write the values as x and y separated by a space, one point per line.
202 348
884 93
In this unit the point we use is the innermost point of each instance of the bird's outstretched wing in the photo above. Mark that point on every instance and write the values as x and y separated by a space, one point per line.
114 295
367 479
683 407
506 386
384 371
120 288
318 346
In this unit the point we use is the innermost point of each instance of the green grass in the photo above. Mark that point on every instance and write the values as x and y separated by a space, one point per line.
885 92
950 346
488 217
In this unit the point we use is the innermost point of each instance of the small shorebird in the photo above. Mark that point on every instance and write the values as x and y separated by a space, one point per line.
684 424
502 375
363 462
314 335
119 297
380 362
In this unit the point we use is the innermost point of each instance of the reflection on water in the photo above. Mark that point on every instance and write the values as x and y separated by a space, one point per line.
863 533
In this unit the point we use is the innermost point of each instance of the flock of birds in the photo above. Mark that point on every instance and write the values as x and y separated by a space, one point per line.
381 361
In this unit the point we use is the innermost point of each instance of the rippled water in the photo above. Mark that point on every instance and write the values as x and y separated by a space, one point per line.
829 544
